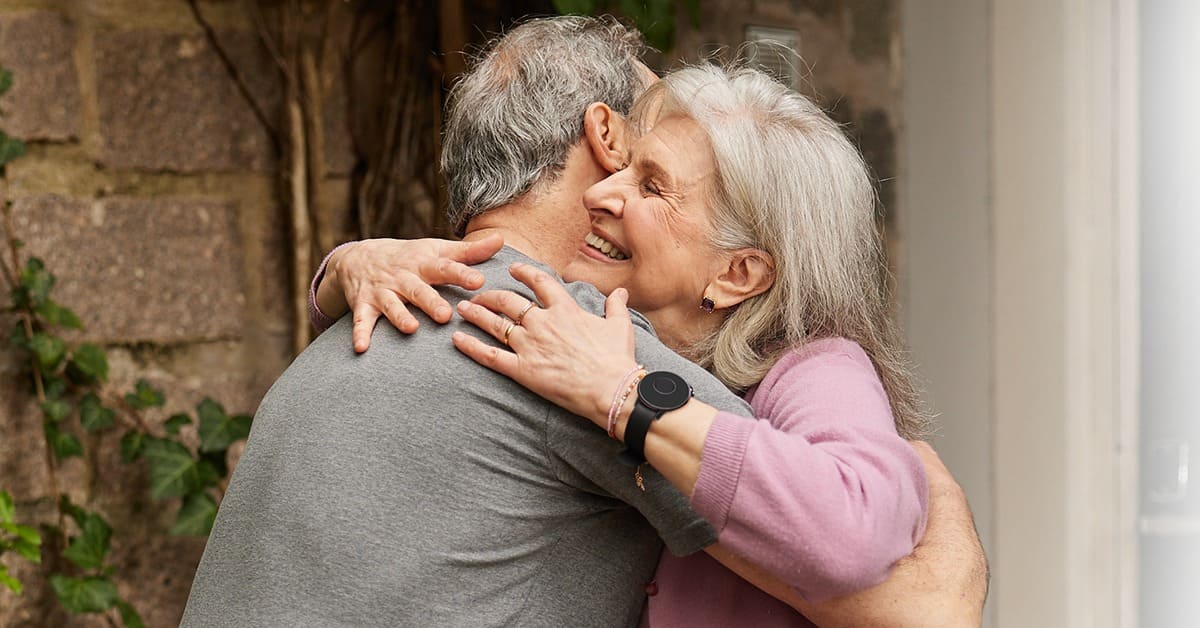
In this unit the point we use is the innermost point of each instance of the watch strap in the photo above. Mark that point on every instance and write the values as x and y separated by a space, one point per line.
636 428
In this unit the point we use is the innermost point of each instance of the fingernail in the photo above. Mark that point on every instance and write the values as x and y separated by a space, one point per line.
463 306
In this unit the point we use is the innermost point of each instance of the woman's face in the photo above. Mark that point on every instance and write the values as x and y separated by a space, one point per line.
650 230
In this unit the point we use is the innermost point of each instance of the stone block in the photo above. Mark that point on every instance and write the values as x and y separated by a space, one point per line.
44 102
162 270
167 103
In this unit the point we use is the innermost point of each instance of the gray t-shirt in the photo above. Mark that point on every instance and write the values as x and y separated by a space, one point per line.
409 486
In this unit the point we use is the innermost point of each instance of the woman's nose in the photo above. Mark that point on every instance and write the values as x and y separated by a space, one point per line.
605 195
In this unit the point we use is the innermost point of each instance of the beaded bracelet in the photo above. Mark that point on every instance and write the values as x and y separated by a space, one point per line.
628 383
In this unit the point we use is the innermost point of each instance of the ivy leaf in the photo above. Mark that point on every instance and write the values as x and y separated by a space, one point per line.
49 350
64 444
26 533
88 548
56 409
56 314
10 149
132 445
196 516
35 279
576 7
144 396
218 430
92 415
95 594
31 552
129 615
55 387
8 581
173 471
89 359
175 422
7 509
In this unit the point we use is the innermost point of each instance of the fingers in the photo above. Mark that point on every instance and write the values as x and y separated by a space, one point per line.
365 316
616 306
442 271
547 289
476 251
503 362
503 302
427 299
393 308
487 320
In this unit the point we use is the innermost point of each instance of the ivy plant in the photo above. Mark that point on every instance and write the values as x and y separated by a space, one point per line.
68 381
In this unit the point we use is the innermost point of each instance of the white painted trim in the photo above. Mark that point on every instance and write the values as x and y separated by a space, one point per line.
1065 261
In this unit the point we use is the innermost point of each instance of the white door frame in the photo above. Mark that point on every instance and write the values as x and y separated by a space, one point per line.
1019 284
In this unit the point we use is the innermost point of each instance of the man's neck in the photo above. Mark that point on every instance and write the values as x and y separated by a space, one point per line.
539 226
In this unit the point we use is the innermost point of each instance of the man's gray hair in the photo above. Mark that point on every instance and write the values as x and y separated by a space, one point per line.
790 183
512 119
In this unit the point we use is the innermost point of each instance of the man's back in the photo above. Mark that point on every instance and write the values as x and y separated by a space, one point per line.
409 486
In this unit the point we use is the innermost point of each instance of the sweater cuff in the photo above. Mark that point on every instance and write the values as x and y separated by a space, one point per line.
319 319
721 467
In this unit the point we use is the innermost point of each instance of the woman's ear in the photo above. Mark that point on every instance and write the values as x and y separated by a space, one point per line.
749 273
605 133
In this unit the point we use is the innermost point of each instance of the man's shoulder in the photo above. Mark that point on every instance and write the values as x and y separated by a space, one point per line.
496 276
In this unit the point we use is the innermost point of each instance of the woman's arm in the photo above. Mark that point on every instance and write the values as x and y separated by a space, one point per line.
942 584
824 503
377 277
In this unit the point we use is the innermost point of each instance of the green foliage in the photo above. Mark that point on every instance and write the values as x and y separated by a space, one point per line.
655 18
24 540
219 430
144 396
93 594
67 379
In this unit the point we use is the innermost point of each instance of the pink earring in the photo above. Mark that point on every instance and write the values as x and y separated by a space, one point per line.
707 305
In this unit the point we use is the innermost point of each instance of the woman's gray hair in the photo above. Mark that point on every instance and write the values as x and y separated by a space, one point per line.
790 183
512 119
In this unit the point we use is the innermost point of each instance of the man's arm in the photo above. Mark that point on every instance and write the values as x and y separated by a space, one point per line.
943 583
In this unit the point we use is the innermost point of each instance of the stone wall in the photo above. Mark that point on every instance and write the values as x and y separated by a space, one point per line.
150 190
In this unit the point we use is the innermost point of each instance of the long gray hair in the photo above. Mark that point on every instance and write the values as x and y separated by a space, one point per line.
512 119
790 183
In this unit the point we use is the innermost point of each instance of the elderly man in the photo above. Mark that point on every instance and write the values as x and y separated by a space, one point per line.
385 490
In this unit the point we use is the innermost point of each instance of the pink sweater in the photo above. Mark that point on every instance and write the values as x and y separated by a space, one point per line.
820 491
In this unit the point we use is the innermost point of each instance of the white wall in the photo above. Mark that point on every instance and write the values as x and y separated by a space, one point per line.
1016 283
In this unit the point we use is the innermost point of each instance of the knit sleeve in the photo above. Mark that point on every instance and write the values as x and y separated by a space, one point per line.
820 490
320 321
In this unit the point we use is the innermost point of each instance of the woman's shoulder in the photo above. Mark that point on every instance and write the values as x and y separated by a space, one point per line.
820 351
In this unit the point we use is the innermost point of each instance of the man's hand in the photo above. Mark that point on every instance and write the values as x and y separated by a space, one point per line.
378 277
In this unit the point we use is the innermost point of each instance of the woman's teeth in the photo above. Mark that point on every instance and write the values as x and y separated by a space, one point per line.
604 246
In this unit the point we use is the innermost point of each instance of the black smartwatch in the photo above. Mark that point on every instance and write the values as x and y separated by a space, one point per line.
658 392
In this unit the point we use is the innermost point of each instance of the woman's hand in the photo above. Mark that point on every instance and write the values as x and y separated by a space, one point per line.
559 351
378 277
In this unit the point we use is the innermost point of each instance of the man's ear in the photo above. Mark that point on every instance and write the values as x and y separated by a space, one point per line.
749 273
605 133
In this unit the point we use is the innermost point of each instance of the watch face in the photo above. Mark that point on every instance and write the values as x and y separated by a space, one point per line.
663 391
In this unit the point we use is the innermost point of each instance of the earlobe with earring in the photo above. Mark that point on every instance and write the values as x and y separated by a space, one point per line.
707 304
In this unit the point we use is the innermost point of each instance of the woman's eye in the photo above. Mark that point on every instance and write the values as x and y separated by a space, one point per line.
650 188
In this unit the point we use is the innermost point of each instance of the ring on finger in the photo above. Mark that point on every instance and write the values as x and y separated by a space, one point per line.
508 331
520 317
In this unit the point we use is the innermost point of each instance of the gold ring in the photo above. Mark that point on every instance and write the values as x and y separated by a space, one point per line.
507 331
520 317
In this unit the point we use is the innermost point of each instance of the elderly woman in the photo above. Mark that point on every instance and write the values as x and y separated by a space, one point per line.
743 229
